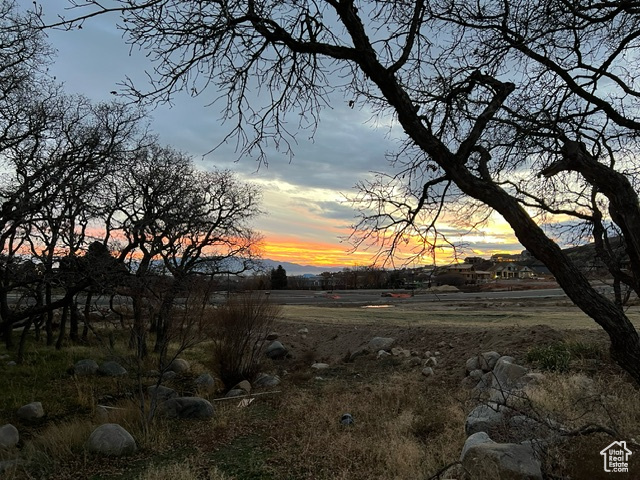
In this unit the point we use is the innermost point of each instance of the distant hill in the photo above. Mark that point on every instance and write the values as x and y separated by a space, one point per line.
297 269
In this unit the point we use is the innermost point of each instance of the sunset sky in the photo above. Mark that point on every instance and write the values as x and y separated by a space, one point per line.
306 216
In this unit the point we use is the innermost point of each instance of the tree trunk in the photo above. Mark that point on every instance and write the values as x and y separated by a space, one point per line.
23 341
87 310
74 321
63 326
48 328
164 319
138 338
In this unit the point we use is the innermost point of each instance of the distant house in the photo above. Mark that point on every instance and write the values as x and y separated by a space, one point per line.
509 270
466 270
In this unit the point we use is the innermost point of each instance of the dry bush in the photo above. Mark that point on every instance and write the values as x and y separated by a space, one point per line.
403 429
240 328
58 441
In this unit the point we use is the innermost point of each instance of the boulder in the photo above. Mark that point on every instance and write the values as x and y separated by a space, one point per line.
276 350
187 407
485 418
9 436
31 411
507 373
501 460
381 343
266 381
471 364
488 361
161 393
169 375
111 439
205 380
112 369
475 439
179 365
86 367
6 465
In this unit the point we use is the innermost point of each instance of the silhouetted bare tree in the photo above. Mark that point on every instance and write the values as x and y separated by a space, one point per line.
528 109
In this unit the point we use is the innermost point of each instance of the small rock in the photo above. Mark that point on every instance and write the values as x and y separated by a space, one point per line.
86 367
111 439
436 353
415 362
276 350
358 353
272 336
383 353
428 354
347 419
400 352
431 362
266 381
427 372
9 436
11 364
235 392
244 385
320 366
303 331
31 411
205 380
188 407
318 379
170 375
441 344
112 369
179 365
381 343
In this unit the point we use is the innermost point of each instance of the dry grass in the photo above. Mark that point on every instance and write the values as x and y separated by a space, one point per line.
403 429
185 470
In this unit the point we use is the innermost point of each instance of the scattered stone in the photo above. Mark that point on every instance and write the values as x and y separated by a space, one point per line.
169 375
415 362
441 344
431 362
188 407
502 460
358 353
318 379
436 353
276 350
427 372
179 365
400 352
415 353
11 364
303 331
86 367
161 393
383 353
347 419
31 411
320 366
9 436
112 369
266 381
272 336
381 343
428 354
111 439
244 385
205 380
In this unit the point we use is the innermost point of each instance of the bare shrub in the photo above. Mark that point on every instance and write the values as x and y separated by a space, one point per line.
240 328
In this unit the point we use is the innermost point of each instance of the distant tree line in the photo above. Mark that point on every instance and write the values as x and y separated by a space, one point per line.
92 204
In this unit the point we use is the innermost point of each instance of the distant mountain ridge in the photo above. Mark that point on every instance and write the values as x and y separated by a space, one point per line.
297 269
